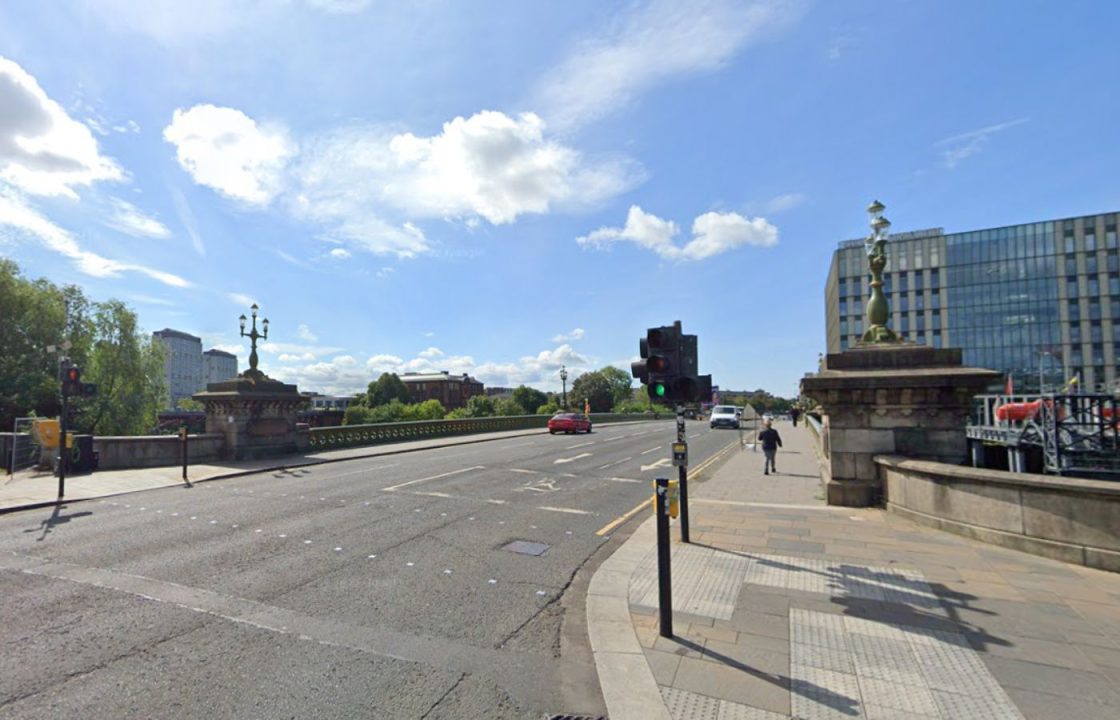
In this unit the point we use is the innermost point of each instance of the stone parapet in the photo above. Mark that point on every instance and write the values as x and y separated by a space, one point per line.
1069 519
256 416
903 399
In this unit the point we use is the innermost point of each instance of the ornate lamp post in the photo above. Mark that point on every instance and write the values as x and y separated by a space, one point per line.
252 373
878 309
564 381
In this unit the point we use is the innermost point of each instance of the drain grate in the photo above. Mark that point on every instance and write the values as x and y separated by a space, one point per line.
528 548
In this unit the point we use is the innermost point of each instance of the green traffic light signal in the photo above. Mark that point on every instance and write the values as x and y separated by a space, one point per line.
659 389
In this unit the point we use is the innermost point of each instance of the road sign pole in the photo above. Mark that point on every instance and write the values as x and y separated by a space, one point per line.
62 449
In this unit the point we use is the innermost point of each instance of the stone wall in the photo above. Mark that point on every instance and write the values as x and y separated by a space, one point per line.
116 453
1068 519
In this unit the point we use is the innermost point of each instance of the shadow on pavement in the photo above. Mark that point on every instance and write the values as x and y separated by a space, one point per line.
56 518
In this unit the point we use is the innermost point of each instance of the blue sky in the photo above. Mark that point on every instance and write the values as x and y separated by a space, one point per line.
500 188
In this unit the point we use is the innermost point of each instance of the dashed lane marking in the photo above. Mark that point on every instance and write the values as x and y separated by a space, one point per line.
653 449
616 462
561 461
571 511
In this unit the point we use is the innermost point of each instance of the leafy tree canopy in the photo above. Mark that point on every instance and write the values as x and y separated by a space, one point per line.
385 389
595 388
529 398
619 381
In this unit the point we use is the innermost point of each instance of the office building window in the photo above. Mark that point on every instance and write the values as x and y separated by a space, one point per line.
904 282
1110 238
1094 286
1071 288
1091 264
934 279
1074 311
1075 333
1071 247
1095 334
1094 308
1071 264
935 300
1098 355
919 281
1090 242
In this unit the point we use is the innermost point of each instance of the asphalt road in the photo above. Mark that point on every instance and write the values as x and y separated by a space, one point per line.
379 588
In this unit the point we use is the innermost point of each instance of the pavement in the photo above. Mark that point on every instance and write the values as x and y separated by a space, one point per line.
784 607
34 488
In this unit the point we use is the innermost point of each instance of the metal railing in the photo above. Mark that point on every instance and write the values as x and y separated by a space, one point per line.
344 436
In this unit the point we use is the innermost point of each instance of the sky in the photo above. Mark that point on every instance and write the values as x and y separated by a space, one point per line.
505 187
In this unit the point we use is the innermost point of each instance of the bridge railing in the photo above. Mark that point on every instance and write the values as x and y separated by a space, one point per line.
343 436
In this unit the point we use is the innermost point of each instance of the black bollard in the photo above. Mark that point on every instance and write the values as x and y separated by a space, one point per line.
664 577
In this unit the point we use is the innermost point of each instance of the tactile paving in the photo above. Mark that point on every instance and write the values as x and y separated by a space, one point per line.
684 705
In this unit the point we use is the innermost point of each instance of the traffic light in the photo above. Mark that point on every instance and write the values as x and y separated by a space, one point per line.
669 366
72 381
664 360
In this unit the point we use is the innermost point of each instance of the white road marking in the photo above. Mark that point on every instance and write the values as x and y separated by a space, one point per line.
573 447
430 494
561 461
357 472
495 502
625 480
525 472
663 462
433 477
647 452
572 511
694 435
616 462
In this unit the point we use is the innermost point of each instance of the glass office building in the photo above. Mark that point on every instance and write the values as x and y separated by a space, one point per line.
1040 300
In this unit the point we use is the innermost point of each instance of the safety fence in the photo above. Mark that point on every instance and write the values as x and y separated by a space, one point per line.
329 438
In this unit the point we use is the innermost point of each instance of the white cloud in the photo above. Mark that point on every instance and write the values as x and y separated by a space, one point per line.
226 150
650 43
576 334
281 348
130 220
385 272
242 299
305 333
186 217
339 253
965 145
43 151
781 203
345 374
489 165
712 233
16 213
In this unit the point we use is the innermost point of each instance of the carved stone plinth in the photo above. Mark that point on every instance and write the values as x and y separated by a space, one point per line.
257 416
899 399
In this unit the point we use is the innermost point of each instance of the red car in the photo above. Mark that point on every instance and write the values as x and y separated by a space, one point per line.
569 422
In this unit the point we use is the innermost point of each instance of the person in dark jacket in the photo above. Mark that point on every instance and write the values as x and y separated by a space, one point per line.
771 441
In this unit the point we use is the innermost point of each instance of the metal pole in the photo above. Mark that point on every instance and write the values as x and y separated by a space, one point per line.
682 477
183 437
664 577
62 450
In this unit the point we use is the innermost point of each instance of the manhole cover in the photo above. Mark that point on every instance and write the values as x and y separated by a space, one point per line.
527 548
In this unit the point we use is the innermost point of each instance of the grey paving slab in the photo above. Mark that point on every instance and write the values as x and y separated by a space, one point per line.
818 694
1054 680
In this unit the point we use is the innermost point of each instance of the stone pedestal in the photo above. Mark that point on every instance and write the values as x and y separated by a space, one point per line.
256 415
897 399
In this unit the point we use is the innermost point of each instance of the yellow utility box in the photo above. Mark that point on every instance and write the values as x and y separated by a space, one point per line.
46 432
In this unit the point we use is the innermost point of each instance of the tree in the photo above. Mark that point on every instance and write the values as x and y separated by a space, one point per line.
529 398
619 381
595 388
549 408
506 407
480 406
128 370
189 404
385 389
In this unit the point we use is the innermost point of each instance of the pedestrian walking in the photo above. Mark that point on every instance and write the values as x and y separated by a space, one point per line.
794 414
771 441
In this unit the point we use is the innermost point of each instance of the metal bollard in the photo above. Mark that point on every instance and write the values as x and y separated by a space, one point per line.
664 577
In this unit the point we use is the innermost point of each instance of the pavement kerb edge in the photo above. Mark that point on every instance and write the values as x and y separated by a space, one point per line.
274 468
629 688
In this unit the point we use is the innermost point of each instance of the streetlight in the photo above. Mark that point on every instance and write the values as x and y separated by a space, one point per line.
253 336
564 381
878 309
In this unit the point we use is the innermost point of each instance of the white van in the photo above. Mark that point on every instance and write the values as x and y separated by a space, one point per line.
724 416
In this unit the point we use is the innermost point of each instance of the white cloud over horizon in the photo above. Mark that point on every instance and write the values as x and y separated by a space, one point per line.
345 374
712 234
575 334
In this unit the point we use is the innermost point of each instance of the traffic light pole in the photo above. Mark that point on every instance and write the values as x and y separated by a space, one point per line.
62 449
682 476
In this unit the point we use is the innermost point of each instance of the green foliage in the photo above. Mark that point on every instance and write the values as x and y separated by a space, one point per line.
593 387
385 389
189 404
760 400
505 407
104 341
529 398
549 408
632 406
480 406
457 414
393 411
620 383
